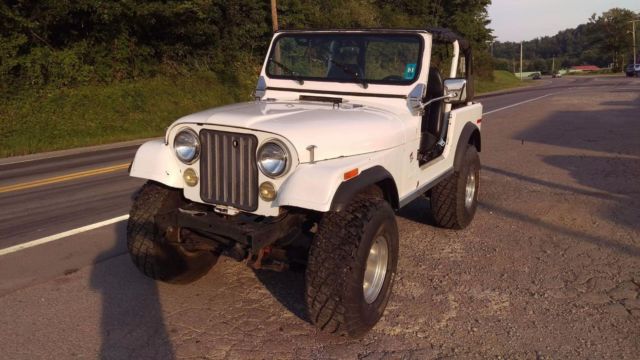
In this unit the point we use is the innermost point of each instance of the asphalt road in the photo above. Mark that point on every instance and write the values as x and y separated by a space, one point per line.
549 268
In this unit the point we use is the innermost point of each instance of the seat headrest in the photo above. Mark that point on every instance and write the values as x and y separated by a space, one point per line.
435 83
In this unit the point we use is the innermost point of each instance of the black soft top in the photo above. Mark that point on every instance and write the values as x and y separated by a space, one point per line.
448 36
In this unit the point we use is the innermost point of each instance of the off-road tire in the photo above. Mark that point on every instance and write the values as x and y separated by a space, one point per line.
152 253
448 196
337 261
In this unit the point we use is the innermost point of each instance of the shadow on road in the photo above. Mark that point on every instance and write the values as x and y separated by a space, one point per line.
612 129
132 323
419 211
288 288
549 184
593 239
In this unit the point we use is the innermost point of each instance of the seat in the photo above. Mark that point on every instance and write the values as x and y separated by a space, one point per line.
432 120
431 127
337 73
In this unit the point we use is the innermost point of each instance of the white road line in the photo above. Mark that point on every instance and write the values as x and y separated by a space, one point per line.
61 235
517 104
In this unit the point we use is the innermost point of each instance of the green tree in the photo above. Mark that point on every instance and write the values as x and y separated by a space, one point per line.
68 42
612 31
601 41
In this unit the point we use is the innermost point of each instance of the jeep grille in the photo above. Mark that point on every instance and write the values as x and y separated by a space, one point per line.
228 170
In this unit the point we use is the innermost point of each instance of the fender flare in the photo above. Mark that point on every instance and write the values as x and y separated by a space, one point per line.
155 161
470 134
376 175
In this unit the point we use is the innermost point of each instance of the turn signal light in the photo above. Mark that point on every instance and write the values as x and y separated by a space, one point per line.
190 177
267 191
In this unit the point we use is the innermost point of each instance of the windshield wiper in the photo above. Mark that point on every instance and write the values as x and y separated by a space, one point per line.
284 67
354 74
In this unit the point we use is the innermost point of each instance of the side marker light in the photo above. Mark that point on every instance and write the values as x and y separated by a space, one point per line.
351 174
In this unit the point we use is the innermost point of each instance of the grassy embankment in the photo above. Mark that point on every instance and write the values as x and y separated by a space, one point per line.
101 114
502 80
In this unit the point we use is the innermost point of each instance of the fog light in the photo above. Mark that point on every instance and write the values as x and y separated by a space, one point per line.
267 191
190 177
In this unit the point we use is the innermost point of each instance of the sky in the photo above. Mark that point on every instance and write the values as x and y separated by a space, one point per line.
518 20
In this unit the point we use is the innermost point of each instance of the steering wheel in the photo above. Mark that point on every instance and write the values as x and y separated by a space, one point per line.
393 78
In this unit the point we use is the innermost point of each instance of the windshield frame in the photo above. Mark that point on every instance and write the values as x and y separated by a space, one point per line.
299 77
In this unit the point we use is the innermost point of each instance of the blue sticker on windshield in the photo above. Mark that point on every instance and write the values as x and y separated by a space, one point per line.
409 71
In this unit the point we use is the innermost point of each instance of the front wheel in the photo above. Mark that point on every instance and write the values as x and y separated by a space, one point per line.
155 248
352 264
455 199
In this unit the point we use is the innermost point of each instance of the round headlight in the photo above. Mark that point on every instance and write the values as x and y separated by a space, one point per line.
273 159
187 146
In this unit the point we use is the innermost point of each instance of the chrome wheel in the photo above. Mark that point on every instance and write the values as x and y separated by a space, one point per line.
470 190
376 269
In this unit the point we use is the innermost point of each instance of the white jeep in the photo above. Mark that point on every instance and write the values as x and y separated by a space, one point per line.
346 127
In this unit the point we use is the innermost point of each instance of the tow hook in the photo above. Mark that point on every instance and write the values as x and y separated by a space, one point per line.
172 233
268 258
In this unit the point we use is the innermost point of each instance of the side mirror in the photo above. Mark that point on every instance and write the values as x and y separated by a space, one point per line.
455 91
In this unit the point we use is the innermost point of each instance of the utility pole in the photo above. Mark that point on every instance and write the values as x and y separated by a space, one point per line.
520 60
553 65
635 53
274 18
274 15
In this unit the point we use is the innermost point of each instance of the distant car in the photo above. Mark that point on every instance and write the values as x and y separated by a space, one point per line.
556 75
535 76
632 69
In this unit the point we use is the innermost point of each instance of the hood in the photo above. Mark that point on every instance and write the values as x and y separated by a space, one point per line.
336 131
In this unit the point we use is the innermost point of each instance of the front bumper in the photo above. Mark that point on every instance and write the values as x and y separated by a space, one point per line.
248 231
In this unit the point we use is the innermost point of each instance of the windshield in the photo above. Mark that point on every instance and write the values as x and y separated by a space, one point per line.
361 58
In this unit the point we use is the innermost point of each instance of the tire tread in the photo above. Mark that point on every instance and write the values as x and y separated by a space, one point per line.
448 196
141 230
331 259
152 254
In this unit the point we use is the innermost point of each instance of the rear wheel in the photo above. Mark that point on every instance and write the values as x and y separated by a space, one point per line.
155 248
352 264
455 199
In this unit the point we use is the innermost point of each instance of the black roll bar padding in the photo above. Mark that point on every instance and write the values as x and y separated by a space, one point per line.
443 35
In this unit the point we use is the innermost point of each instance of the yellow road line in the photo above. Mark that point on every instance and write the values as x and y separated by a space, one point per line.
57 179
